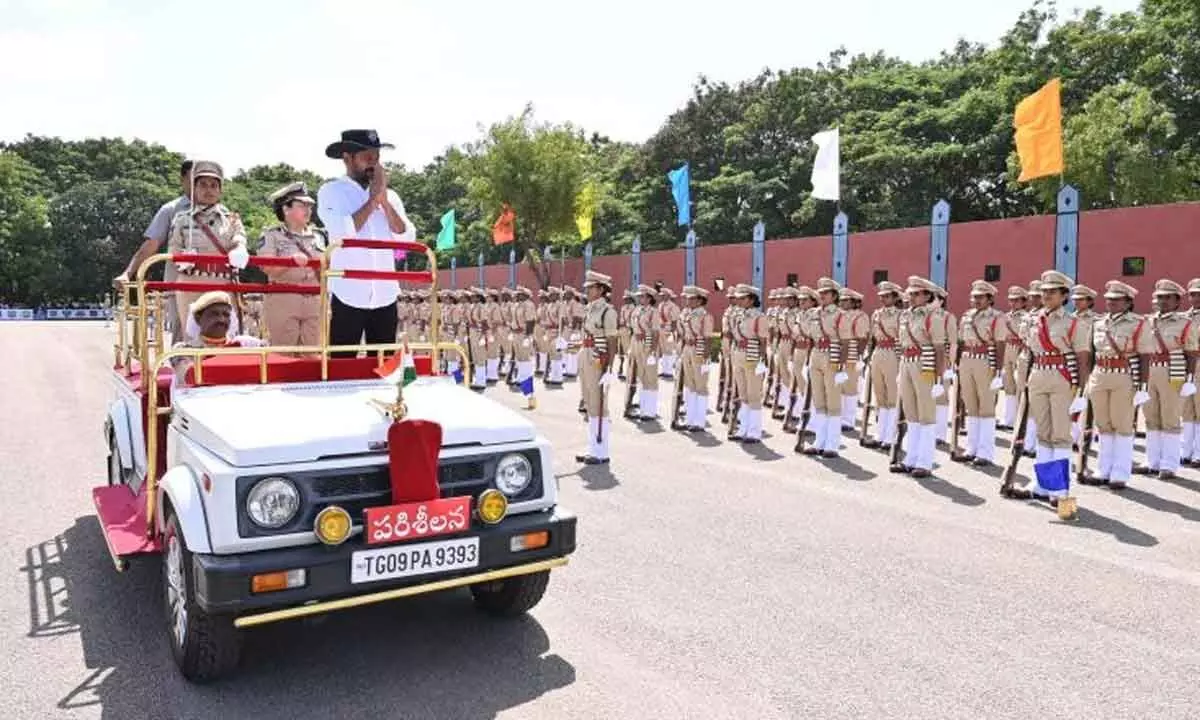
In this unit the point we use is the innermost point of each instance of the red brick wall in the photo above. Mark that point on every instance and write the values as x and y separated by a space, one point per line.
1167 236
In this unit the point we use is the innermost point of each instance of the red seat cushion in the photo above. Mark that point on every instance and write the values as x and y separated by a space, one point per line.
245 370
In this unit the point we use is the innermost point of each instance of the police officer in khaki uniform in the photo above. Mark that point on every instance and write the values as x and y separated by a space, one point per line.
1084 299
695 327
599 344
856 328
783 328
827 370
922 342
1122 344
751 335
1061 363
1167 380
802 324
983 335
1018 296
1033 306
292 319
524 322
475 315
950 330
555 343
206 228
625 329
885 364
669 320
1190 438
646 329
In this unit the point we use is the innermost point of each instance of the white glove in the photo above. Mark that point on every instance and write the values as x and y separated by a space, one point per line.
760 370
1188 389
949 375
239 257
997 383
1078 405
560 344
790 366
526 342
840 378
862 370
606 379
652 361
705 368
937 391
1141 397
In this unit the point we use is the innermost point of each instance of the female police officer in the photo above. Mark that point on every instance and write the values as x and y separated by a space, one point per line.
292 318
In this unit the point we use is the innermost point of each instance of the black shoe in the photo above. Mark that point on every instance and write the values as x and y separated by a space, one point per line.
900 469
981 463
591 460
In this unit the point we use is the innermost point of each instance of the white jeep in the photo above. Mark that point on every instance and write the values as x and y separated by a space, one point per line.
271 493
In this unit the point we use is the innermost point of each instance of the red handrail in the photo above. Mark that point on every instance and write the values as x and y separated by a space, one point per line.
239 288
405 245
255 260
406 275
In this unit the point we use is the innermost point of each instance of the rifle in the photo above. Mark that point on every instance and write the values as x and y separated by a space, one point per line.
632 386
1018 444
730 388
722 382
960 409
901 431
864 435
788 425
1085 443
805 414
605 365
734 406
677 401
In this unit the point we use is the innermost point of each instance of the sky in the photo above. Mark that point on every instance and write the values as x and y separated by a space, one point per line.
263 81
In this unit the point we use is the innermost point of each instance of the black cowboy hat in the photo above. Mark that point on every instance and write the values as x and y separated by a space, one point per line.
355 140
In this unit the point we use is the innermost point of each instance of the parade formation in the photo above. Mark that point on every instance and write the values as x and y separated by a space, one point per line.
909 379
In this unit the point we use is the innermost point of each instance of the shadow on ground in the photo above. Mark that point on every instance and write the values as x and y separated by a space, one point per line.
430 657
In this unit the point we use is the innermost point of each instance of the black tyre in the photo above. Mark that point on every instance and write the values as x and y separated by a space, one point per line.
513 596
205 647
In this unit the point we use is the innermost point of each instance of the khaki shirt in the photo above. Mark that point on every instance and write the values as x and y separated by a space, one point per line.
885 326
281 242
696 325
1064 333
828 323
1121 335
599 327
921 326
647 321
1171 331
983 327
188 236
523 313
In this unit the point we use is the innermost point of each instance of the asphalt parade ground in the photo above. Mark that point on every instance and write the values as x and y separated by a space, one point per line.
712 580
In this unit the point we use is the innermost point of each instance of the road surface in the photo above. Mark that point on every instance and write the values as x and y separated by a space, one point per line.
711 581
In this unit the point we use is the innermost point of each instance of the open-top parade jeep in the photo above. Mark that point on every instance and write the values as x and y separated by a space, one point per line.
282 482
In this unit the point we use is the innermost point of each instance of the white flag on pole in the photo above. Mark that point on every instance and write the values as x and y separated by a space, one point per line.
827 166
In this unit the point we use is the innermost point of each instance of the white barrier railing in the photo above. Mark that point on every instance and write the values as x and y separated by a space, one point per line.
56 314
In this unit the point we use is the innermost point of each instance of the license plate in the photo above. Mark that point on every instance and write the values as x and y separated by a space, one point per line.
400 561
416 521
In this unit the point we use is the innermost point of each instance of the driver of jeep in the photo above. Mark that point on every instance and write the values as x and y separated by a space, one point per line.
211 323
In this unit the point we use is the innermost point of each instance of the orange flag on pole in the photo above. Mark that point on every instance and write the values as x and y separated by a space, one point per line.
1038 122
504 230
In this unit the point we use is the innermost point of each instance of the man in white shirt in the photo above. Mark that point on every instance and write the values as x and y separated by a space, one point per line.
360 205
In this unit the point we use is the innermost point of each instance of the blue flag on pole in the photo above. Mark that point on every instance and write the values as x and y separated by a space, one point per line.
681 179
527 386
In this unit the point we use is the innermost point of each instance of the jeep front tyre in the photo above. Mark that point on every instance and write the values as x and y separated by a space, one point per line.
205 647
511 597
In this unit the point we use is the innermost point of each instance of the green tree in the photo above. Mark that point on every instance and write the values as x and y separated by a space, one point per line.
537 169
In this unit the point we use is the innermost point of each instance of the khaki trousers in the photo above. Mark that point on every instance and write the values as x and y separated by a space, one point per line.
1050 397
885 371
783 356
800 358
589 384
1008 371
292 319
1111 394
748 384
826 395
1191 408
647 376
522 347
691 364
916 399
1165 406
975 384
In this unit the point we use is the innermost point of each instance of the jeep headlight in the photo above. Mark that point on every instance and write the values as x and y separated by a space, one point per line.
272 502
513 474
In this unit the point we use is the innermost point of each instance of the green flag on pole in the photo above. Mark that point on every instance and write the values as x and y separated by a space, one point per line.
445 238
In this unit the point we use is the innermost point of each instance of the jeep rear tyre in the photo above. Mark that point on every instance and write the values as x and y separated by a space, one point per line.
512 596
205 647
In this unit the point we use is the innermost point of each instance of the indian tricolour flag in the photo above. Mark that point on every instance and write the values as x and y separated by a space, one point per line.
399 369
